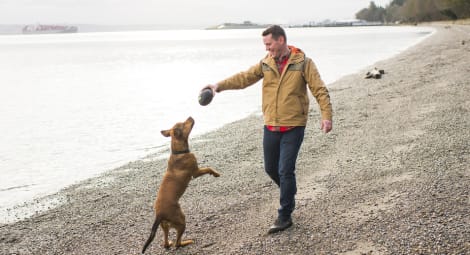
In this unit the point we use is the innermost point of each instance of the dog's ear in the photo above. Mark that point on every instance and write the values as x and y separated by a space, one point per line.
166 133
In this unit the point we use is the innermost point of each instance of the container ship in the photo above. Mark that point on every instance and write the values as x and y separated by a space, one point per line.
244 25
48 29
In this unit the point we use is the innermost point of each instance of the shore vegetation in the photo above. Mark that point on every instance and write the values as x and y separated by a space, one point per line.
413 11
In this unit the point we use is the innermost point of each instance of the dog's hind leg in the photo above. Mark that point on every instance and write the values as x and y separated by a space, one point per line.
179 224
166 232
179 233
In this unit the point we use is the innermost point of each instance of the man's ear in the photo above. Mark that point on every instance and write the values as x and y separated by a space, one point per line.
166 133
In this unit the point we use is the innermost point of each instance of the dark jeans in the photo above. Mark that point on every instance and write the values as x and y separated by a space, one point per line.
280 155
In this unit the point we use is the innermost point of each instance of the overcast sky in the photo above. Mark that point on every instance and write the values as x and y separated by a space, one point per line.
187 13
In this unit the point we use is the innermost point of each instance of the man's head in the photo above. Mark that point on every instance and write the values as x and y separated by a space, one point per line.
275 41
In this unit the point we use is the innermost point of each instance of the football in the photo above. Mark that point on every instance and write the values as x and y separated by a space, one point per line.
205 96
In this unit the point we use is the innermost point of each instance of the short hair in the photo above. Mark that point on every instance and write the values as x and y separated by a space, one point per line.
276 31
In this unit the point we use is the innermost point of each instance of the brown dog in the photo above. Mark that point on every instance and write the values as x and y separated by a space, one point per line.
182 166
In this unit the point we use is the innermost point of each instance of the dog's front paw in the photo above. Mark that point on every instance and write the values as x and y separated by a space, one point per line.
215 174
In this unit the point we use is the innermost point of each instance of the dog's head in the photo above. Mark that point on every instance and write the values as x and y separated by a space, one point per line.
179 134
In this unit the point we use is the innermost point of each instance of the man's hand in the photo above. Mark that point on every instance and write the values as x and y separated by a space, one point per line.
213 87
326 125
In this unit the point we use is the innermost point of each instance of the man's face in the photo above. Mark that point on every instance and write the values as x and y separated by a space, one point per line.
273 46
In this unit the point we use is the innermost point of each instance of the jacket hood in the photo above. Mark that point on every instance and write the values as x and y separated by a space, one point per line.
296 54
294 50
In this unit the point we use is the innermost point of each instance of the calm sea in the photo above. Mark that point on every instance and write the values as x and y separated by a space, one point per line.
75 105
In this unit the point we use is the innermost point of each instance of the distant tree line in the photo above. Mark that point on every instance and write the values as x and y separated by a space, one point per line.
416 11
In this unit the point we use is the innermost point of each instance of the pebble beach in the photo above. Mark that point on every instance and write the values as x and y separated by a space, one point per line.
393 177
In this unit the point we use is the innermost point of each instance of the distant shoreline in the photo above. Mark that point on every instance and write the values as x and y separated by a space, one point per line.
12 29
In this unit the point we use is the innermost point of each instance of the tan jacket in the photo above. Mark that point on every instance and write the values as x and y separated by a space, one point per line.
285 99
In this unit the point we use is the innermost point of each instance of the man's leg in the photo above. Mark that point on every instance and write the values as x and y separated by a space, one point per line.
271 149
290 146
289 149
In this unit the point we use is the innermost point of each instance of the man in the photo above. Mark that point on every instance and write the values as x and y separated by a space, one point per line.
286 73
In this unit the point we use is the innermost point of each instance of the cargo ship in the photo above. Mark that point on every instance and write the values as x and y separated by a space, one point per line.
244 25
48 29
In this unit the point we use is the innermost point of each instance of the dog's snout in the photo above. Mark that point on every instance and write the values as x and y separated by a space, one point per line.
190 121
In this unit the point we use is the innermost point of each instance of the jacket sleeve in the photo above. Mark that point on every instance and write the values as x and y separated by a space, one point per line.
243 79
318 89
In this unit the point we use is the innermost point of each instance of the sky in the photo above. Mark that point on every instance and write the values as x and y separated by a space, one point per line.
184 13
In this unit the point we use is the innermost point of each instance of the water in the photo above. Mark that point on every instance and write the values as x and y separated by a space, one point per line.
75 105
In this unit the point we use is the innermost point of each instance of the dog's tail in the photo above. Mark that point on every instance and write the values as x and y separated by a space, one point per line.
158 219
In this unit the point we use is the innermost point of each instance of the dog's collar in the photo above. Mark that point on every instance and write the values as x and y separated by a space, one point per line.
180 152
